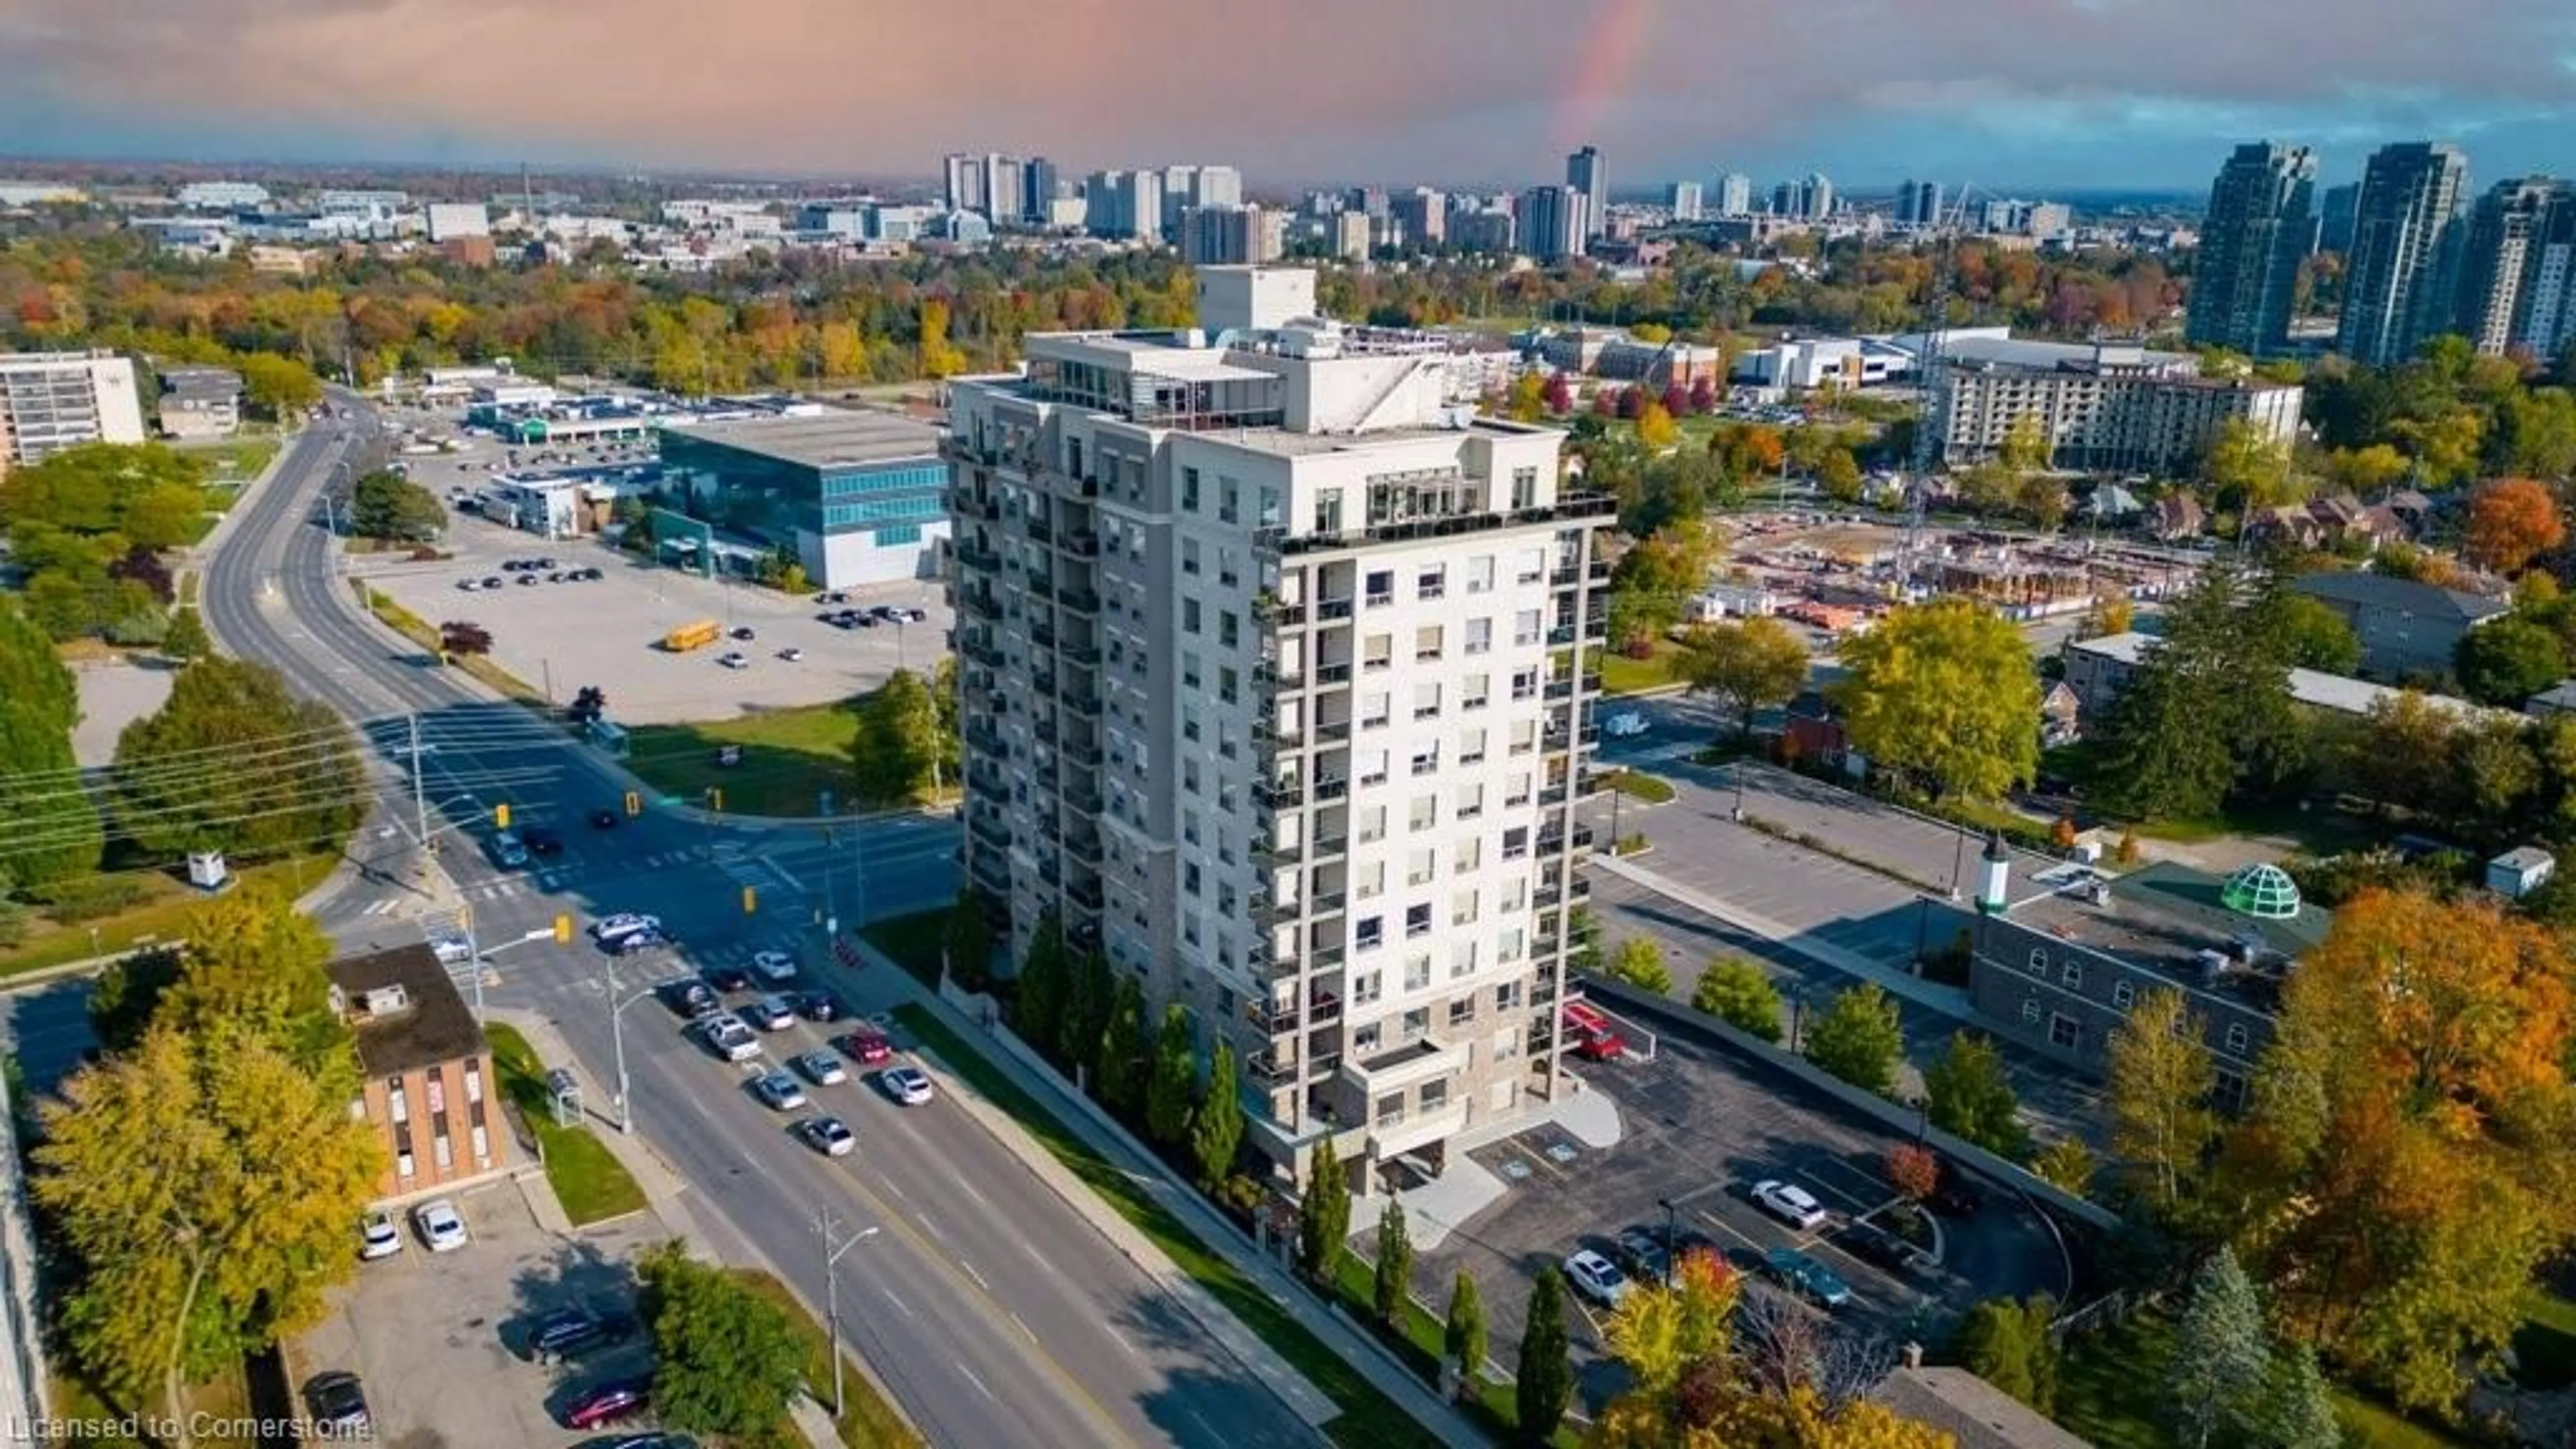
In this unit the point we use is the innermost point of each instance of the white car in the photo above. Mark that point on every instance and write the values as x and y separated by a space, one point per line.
1790 1204
1627 724
1596 1278
771 1013
775 966
624 923
906 1085
822 1068
378 1237
778 1091
440 1225
734 659
791 654
729 1038
828 1135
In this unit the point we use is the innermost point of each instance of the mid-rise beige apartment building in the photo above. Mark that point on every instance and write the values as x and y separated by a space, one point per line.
2102 407
1278 679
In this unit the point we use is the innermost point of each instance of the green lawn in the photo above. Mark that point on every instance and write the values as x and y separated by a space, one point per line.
1637 785
1423 1345
234 460
790 757
406 623
1623 675
588 1179
1369 1420
162 916
867 1421
915 942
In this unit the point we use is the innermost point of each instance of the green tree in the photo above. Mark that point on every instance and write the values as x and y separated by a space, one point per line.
2008 1345
1746 667
2157 1087
966 942
2298 1409
385 504
897 746
1839 475
54 831
1216 1130
1088 1004
1640 963
1045 985
234 761
1968 1094
2065 1164
2508 661
1171 1093
2208 713
2316 637
1546 1374
1323 1214
1857 1039
948 703
727 1360
278 385
1655 578
1739 993
206 1185
1944 693
186 639
1464 1336
2244 468
1122 1050
252 961
1394 1276
2221 1361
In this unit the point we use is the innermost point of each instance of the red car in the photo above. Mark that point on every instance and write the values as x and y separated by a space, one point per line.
866 1047
610 1402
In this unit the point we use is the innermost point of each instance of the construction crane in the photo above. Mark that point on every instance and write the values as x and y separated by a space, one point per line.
1946 225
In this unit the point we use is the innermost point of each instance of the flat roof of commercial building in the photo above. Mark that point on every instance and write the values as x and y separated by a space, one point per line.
2171 919
828 440
434 1025
2338 692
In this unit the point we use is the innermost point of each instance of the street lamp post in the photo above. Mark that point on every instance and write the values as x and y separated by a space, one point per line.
1671 1236
1958 860
479 955
617 1043
1797 1017
1737 770
825 1225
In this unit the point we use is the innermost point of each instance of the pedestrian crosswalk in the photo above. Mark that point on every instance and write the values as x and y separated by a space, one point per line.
767 876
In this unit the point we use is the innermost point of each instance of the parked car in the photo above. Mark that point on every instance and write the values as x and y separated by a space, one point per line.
906 1085
817 1006
1627 724
441 1227
867 1046
822 1068
509 851
771 1013
1642 1253
609 1403
569 1332
541 841
1596 1278
728 978
1873 1244
728 1038
378 1237
1808 1278
778 1091
745 633
734 659
791 654
828 1135
774 966
1791 1204
689 997
338 1404
623 923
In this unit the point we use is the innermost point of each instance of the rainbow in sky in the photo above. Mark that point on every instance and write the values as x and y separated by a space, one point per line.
1610 55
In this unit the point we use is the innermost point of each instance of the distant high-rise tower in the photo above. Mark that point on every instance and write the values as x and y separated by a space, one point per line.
1682 200
2260 223
1816 196
1918 203
2403 232
2507 264
1585 173
2334 218
1735 194
1037 190
1553 224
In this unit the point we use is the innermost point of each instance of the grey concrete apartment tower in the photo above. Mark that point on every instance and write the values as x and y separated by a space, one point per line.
2261 224
1278 681
1584 172
2397 287
2514 268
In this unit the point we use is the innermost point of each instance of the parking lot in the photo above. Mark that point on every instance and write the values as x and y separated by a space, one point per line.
558 635
440 1340
1701 1127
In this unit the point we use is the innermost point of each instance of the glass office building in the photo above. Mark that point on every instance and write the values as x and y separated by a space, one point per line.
856 496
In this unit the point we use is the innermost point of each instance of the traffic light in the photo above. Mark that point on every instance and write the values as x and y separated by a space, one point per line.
500 817
750 900
634 802
563 930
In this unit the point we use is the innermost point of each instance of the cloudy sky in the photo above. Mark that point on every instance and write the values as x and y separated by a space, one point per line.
2005 93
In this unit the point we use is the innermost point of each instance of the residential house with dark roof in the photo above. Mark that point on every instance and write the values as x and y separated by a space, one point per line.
1974 1413
2407 629
2177 515
430 1090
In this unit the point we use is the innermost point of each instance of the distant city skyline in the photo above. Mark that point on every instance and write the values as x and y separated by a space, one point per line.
2011 95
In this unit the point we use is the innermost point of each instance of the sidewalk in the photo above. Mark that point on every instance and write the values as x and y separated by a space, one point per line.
1345 1340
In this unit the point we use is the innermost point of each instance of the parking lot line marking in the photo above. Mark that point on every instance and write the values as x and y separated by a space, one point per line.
1866 1199
978 1383
900 1306
1730 1229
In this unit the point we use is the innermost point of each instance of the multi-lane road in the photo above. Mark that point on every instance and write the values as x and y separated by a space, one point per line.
995 1313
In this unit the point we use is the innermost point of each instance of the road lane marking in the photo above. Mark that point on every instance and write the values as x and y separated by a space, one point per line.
931 1228
1024 1326
978 1383
970 1272
900 1306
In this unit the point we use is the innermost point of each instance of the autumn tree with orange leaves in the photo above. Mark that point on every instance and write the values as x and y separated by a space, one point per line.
2511 522
2411 1158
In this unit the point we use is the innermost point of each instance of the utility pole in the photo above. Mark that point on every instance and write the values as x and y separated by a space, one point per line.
825 1225
617 1037
419 789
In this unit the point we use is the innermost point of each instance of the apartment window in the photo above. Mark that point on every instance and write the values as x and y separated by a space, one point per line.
1480 574
1228 685
1372 933
1189 616
1270 510
2123 994
1374 709
1417 922
1419 866
1462 909
1189 556
1507 1043
1189 670
404 1165
1474 693
1525 629
1532 566
2237 1039
1381 587
1469 854
1372 765
2227 1089
1425 811
1426 701
1365 988
1190 489
397 1104
2030 1011
2064 1031
482 1141
1190 878
1225 572
1426 643
1462 1012
2070 972
1435 1095
1368 882
1377 651
1189 722
1328 511
2039 963
1471 747
1390 1109
1190 826
1524 488
1229 499
1190 776
1516 843
1524 740
1480 635
1417 969
1471 802
1417 1023
1510 946
442 1152
1524 684
1229 629
1462 959
1373 817
1431 583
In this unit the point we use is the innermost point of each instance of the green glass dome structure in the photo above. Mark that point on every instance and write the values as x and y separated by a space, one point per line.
2263 891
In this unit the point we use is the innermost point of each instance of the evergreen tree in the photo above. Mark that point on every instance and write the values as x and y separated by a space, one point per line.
187 637
1394 1263
2208 714
1546 1383
1171 1093
1122 1051
1857 1039
1216 1132
2221 1362
1038 1009
1968 1094
2007 1344
1323 1215
2298 1411
1464 1338
1091 995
